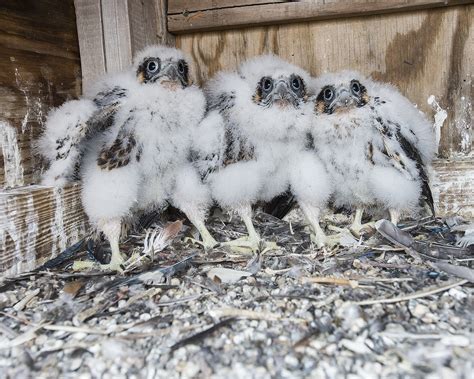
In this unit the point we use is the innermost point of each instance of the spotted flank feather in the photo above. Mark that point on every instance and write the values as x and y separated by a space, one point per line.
70 127
392 136
107 103
222 102
119 154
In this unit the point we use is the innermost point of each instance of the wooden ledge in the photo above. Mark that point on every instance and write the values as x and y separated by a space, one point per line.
37 223
198 18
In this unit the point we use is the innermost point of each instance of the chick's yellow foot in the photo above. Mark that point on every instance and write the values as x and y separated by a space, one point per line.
359 230
116 264
322 240
85 265
207 244
249 245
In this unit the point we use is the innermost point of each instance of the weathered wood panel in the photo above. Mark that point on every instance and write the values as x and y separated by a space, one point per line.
186 6
91 41
164 36
36 223
424 53
39 69
453 186
217 18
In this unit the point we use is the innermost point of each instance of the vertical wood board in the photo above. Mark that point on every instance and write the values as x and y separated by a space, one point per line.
91 41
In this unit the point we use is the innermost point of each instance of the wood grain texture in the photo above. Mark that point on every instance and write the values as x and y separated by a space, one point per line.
39 69
291 12
428 52
91 41
164 36
143 17
186 6
453 186
117 38
36 223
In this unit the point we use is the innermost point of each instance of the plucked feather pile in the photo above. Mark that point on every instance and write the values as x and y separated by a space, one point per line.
267 134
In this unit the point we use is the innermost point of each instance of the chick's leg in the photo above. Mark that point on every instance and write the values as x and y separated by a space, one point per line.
253 241
357 223
111 229
192 197
357 228
312 213
208 241
246 215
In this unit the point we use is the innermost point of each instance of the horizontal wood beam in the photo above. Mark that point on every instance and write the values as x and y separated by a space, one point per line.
37 222
186 6
270 14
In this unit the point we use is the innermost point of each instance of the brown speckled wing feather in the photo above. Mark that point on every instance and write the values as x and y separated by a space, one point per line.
122 151
392 131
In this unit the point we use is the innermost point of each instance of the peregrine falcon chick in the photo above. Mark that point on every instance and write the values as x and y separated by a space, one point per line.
260 117
375 144
132 143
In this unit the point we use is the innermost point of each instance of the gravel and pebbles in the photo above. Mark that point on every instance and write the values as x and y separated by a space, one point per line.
367 309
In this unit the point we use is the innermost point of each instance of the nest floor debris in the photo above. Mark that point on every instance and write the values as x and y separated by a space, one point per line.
373 307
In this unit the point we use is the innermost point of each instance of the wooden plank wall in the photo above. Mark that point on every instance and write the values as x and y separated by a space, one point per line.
39 69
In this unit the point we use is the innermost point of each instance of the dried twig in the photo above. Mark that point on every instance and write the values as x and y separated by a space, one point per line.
415 295
249 314
22 338
329 280
23 302
195 338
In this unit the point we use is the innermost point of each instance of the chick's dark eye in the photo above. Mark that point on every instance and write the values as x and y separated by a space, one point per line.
355 87
328 94
181 67
267 84
295 83
152 66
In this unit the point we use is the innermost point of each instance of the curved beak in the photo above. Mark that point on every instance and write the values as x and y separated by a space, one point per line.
170 71
344 98
281 91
